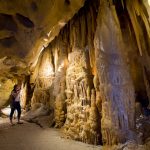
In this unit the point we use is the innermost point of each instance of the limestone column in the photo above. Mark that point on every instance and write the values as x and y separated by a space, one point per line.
116 88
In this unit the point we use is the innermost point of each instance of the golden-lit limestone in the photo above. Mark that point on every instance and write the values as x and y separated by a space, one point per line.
6 85
91 93
44 76
60 108
37 110
82 115
24 95
47 17
135 10
40 22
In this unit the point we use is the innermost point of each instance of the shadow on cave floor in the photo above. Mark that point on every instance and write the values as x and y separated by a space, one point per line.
29 136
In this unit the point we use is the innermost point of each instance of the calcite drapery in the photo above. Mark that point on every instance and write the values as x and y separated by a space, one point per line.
82 115
43 79
59 48
116 89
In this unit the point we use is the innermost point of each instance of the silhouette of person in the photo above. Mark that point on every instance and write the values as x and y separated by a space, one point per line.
15 103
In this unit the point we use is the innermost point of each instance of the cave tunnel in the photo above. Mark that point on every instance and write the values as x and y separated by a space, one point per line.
75 74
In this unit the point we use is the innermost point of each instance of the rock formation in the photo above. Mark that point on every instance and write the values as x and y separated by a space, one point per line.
116 89
87 72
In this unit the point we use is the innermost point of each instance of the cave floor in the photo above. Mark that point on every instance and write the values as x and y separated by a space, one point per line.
29 136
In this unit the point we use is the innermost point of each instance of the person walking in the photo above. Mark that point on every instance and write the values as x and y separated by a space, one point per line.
15 103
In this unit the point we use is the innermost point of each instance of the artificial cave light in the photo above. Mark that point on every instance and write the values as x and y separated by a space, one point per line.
149 2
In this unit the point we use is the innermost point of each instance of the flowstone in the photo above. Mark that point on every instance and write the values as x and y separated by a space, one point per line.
81 121
116 88
43 79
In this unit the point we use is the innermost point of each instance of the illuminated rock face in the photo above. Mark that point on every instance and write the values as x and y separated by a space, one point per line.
34 23
5 89
26 26
87 75
72 88
44 79
82 120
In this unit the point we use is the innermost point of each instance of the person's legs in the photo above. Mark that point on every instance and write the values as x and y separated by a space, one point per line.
19 111
11 114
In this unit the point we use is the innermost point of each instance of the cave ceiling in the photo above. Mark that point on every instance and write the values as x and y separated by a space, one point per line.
26 27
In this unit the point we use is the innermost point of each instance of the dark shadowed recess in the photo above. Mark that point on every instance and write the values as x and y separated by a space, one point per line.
8 42
7 22
67 2
25 21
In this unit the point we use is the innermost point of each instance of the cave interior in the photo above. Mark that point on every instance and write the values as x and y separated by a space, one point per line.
84 65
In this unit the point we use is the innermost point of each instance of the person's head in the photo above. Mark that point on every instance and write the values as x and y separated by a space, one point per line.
16 87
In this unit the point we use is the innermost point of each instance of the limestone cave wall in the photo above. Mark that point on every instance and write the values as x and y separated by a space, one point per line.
89 74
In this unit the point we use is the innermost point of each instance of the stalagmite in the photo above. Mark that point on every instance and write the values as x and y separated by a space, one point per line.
60 108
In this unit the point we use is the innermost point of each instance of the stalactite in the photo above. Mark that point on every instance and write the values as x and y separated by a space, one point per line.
135 10
59 47
72 62
91 16
24 95
79 80
44 79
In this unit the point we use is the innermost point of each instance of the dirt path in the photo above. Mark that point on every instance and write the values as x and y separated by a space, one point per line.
29 136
